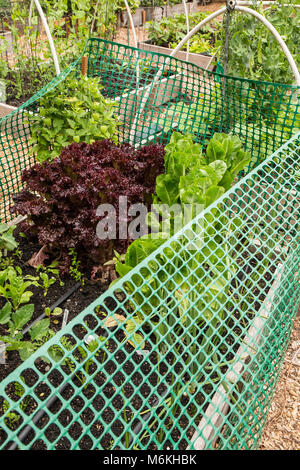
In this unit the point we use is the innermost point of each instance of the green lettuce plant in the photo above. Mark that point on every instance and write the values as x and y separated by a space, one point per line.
186 283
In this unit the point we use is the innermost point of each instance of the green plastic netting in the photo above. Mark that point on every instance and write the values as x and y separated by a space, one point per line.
184 97
215 314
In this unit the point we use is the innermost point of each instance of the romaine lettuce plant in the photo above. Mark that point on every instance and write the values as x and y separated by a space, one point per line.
186 281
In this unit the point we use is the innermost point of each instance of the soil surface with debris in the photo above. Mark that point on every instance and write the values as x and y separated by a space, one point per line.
282 431
86 292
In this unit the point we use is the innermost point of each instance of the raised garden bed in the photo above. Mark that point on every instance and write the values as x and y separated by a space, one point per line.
188 341
156 13
204 61
124 391
6 109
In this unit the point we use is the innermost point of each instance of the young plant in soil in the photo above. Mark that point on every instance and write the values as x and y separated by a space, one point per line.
189 178
16 292
17 312
49 275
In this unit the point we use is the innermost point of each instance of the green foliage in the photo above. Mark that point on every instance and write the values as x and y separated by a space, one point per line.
168 32
159 3
254 52
17 312
47 282
49 275
56 312
4 6
23 71
74 270
14 286
198 274
227 149
200 45
71 23
7 239
74 111
133 5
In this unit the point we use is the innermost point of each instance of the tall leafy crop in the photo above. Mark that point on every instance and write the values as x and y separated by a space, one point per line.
254 52
187 282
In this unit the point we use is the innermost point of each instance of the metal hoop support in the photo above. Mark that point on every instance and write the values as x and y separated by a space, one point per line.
187 28
48 33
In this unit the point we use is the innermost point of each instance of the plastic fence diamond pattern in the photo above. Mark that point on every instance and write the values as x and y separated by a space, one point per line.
185 350
156 94
204 372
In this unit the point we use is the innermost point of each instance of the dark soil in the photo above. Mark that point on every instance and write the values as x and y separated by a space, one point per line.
78 301
144 378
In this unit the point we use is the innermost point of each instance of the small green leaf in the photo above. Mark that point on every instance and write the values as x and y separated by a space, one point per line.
5 313
39 329
22 316
57 311
137 341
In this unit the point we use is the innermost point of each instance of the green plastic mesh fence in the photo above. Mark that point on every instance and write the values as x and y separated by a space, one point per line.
184 352
214 336
182 97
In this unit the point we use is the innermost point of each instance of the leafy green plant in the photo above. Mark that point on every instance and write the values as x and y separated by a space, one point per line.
169 31
56 312
7 239
30 66
74 270
191 178
49 275
23 70
197 275
46 282
14 286
254 52
200 45
74 111
17 311
8 243
159 3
